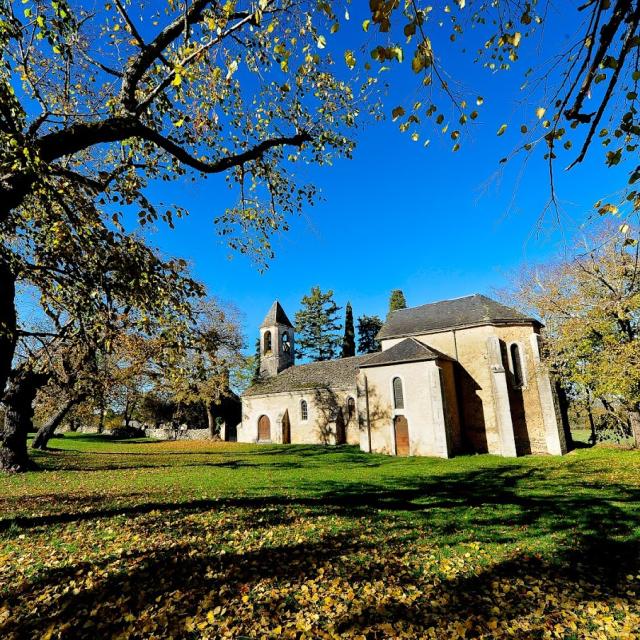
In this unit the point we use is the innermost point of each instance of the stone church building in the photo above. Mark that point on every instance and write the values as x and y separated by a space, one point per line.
456 376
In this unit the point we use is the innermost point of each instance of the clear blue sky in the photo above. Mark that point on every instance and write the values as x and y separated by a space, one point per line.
433 223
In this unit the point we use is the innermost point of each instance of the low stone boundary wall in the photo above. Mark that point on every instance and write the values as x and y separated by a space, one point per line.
65 429
177 434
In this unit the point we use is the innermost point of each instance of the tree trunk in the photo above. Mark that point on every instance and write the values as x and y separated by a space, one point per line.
47 430
211 421
102 412
8 334
592 424
634 419
18 402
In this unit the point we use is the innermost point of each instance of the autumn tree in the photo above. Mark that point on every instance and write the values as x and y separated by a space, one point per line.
589 94
97 104
84 304
590 305
203 375
368 328
349 338
397 300
317 326
73 376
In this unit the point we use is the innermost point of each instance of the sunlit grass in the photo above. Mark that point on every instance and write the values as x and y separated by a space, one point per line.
203 539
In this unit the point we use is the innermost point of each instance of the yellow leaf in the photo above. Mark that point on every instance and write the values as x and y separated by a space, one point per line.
350 59
540 111
177 80
502 129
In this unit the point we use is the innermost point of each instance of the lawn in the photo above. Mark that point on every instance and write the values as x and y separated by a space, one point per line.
147 539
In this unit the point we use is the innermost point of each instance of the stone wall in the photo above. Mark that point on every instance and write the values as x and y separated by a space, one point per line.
177 434
425 408
64 428
534 427
318 428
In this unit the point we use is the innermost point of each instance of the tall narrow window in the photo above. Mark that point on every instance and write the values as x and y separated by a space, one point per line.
286 346
398 396
304 410
516 363
267 341
351 408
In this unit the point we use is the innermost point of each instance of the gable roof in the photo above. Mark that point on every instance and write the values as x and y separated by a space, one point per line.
276 315
315 375
409 350
468 311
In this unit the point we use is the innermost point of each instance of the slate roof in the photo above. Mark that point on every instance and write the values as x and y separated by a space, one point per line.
409 350
276 315
330 373
471 310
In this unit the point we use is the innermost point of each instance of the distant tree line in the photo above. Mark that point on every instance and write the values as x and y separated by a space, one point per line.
320 335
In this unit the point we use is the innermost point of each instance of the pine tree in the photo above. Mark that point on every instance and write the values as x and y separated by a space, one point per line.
349 339
397 300
368 327
317 327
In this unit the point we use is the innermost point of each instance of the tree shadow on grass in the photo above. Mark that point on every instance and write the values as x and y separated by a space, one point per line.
158 591
103 438
593 534
489 499
231 464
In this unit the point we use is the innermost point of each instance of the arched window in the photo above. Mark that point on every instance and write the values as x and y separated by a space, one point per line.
304 410
351 408
286 345
267 341
398 396
516 364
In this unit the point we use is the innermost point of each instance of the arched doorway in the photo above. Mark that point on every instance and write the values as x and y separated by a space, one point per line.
341 432
401 433
264 429
286 428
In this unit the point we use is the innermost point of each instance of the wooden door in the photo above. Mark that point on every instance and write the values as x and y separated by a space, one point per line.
264 429
401 430
286 428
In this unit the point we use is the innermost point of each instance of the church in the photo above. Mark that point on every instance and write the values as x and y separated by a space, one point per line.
453 377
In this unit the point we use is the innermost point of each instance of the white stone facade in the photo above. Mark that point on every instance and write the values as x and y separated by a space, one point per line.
475 387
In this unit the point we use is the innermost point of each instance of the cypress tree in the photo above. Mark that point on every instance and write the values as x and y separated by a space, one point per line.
397 300
317 327
349 339
256 372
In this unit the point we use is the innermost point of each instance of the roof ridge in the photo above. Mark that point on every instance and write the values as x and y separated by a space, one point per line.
427 304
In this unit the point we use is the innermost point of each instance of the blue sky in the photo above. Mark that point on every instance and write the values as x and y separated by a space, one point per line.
433 223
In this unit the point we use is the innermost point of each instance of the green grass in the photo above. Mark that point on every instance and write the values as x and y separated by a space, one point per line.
151 539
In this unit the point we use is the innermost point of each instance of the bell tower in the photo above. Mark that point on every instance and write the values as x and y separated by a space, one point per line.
276 342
